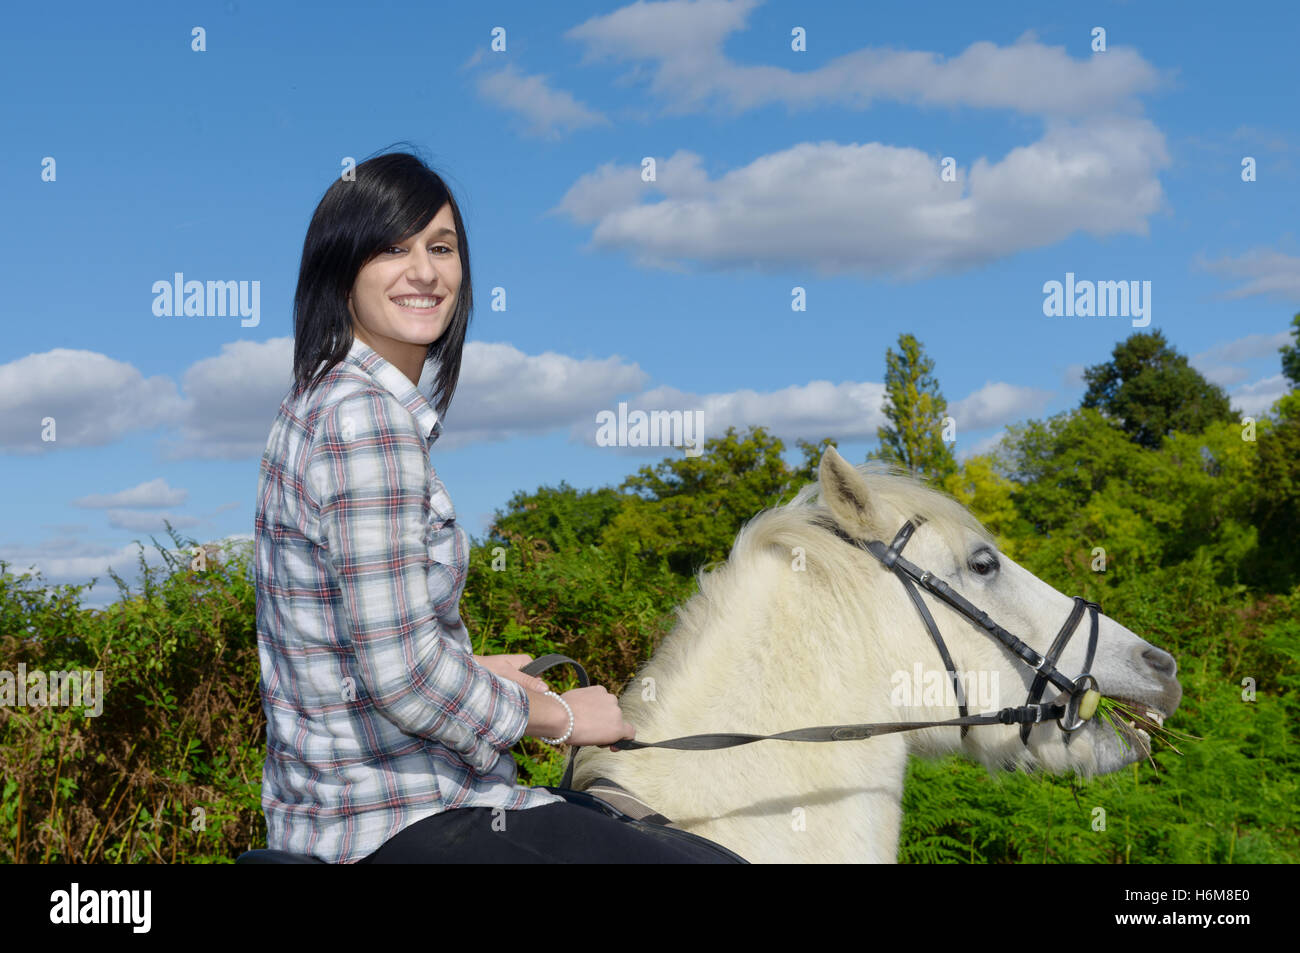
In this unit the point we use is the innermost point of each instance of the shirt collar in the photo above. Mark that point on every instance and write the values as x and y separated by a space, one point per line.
415 398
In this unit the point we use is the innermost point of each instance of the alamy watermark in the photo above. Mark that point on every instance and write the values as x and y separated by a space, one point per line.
657 428
213 299
923 687
75 905
1101 299
40 689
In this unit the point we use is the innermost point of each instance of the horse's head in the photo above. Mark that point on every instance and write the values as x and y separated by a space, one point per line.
950 544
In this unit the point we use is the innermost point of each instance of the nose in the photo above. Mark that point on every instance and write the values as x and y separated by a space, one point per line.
422 269
1160 660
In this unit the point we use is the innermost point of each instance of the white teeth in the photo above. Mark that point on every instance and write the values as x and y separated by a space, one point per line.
1155 716
417 302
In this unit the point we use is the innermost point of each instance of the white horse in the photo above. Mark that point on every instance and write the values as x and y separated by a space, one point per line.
798 628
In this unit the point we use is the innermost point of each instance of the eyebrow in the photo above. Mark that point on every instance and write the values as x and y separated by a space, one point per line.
439 233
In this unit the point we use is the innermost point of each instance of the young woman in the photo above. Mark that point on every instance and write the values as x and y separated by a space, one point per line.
388 740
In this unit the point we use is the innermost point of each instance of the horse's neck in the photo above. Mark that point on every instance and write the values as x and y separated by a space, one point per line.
761 654
750 653
723 667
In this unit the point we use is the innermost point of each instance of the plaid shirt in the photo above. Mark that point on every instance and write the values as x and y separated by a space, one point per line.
377 716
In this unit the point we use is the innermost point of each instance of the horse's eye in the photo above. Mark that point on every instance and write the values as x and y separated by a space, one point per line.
984 562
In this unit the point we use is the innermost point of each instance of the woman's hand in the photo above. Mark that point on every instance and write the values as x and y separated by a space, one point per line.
508 666
597 719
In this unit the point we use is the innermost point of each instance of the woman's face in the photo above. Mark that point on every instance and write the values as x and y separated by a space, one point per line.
390 305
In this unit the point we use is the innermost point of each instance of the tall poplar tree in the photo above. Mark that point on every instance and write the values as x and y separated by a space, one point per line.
915 409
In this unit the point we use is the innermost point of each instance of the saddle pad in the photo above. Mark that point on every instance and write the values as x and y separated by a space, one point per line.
626 802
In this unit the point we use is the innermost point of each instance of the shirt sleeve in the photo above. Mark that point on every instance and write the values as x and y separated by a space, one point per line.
369 470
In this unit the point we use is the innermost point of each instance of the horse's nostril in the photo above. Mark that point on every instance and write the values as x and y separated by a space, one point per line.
1160 660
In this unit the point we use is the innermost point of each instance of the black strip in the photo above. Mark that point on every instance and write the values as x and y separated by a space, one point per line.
1053 653
949 667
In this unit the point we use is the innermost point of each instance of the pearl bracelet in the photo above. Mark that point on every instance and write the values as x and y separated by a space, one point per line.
565 737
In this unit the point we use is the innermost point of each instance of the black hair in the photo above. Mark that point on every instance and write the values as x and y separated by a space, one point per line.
394 196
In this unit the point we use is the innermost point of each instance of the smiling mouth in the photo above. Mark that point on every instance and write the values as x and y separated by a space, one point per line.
418 304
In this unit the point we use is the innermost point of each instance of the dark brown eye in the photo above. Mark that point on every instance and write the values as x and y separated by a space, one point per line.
983 562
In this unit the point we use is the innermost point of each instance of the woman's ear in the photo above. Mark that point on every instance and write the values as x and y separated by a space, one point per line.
846 494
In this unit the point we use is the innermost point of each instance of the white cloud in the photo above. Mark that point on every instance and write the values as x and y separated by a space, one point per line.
503 391
849 411
1262 271
1242 349
872 209
846 411
997 403
1255 399
869 209
93 400
1221 364
548 111
150 495
682 43
231 400
64 558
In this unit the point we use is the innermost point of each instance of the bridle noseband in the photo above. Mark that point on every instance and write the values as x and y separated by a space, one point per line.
1083 691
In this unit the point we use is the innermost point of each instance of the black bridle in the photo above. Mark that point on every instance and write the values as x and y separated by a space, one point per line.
1082 692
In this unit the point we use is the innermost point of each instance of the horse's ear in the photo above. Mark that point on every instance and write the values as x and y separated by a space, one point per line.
846 494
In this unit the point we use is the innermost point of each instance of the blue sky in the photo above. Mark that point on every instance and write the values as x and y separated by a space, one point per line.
774 170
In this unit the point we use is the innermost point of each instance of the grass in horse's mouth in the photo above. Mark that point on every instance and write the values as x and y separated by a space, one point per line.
1126 716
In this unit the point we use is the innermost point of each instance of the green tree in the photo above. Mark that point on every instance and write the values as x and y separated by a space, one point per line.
564 517
984 491
1277 497
1081 483
688 510
1150 390
1291 355
1277 500
915 409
